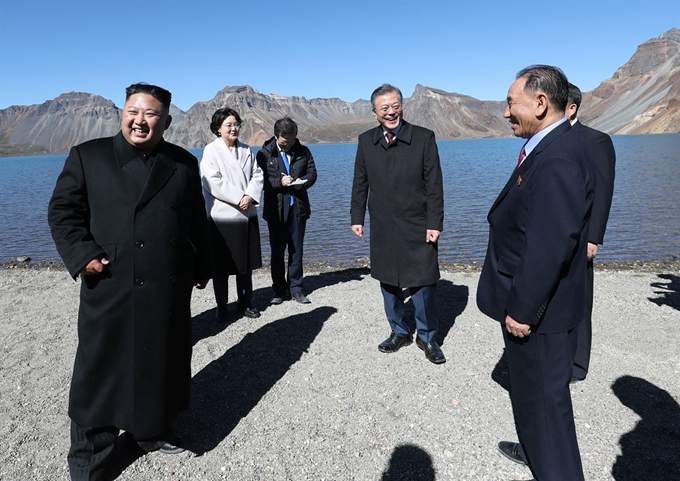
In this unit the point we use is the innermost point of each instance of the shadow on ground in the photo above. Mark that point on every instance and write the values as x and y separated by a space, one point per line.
228 388
500 372
451 302
670 291
652 449
409 463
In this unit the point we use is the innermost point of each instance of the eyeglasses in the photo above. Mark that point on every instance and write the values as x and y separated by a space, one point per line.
386 108
236 126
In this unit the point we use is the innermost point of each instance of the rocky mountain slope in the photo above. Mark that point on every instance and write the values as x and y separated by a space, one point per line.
643 96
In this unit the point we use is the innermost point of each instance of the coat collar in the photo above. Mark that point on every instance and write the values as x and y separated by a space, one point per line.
530 160
405 135
163 166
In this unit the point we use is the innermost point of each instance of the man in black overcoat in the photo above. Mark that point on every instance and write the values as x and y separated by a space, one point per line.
127 215
533 279
603 155
398 175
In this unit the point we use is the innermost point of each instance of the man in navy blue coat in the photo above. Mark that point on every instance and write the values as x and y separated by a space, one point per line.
533 280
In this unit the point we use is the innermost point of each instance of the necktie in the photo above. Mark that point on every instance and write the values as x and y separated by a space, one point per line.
390 137
284 156
285 161
522 154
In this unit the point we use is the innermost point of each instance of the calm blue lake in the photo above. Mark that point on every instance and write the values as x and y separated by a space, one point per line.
644 223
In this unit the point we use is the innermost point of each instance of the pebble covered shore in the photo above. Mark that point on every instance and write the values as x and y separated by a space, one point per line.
302 393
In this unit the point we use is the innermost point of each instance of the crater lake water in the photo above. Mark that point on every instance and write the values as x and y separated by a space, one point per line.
644 224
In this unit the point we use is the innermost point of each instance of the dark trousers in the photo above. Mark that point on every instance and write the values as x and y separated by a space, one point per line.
91 452
585 330
289 234
424 300
244 286
540 369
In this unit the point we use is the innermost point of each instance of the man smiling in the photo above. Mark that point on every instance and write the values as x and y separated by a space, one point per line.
399 163
127 215
533 280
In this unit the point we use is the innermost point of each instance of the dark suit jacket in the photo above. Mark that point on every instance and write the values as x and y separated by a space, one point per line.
535 266
603 156
406 199
133 363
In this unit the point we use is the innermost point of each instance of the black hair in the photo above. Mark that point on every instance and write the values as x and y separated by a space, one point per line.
285 127
159 93
548 80
220 116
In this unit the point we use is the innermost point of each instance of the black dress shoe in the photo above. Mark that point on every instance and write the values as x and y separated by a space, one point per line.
433 352
248 310
394 343
512 451
165 447
276 300
221 312
301 298
575 379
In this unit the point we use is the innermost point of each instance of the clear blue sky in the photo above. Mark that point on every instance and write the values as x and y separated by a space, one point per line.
312 48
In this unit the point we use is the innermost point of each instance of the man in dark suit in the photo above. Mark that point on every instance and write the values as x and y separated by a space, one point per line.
289 171
533 280
603 155
127 215
399 163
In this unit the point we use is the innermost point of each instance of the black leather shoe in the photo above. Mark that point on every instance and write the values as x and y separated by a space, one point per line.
433 352
248 311
165 447
301 298
512 451
221 312
276 300
575 379
394 343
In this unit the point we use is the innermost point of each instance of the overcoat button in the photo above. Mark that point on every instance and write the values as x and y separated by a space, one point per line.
139 244
173 278
139 282
173 242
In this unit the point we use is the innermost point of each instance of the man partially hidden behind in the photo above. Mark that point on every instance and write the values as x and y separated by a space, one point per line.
127 215
534 274
603 156
397 173
289 170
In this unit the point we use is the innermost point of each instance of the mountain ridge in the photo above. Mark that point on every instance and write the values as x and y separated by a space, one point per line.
641 97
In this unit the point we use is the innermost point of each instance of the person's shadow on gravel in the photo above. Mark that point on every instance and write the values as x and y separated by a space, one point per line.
670 292
500 372
451 302
326 279
409 463
228 388
652 449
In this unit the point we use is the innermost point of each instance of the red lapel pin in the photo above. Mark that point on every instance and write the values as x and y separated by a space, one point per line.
519 180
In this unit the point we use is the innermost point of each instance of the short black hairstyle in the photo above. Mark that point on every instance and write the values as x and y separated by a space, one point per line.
159 93
548 80
574 96
385 89
285 127
220 116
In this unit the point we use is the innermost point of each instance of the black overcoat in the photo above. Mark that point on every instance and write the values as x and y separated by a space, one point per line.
402 185
133 362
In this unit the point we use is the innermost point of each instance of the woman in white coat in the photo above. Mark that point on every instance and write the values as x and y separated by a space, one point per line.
232 187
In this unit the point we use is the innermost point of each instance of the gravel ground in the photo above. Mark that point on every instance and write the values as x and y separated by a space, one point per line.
302 393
